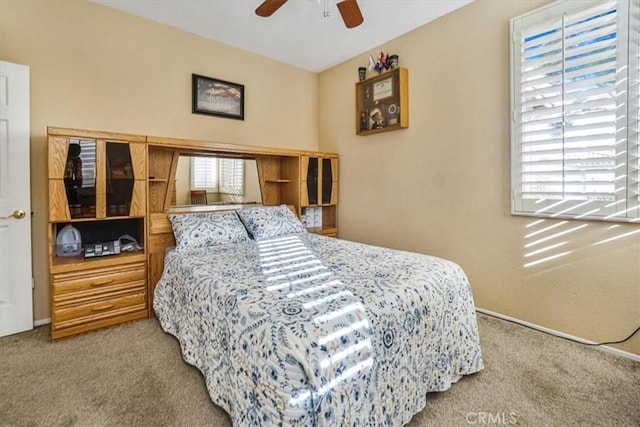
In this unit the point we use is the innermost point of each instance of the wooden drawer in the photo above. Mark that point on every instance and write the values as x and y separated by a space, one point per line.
106 292
88 312
96 281
94 298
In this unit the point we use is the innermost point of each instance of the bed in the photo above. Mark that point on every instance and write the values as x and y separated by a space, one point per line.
292 328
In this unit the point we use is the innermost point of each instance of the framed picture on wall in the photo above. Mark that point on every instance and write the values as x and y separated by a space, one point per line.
216 97
382 102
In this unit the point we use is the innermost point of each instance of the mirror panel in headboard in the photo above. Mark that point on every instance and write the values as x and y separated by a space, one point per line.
228 181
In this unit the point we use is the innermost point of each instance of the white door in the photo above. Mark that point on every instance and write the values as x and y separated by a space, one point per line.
16 304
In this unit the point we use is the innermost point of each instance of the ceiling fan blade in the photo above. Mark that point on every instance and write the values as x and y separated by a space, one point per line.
269 7
350 12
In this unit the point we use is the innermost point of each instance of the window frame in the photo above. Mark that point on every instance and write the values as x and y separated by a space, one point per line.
626 61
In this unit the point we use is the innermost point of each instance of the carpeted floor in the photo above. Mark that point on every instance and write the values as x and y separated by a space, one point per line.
134 375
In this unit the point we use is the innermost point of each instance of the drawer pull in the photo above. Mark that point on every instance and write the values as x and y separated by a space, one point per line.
97 284
104 307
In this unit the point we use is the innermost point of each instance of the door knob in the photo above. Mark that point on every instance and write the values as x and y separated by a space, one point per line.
17 214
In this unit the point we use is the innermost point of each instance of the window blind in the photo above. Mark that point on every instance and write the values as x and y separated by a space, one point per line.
204 173
572 137
231 176
88 157
634 121
218 175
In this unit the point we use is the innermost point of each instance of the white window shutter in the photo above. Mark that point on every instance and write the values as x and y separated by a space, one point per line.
218 175
634 111
204 173
572 137
88 157
232 176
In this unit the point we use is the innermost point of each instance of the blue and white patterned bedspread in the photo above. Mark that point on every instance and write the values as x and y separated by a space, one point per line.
306 330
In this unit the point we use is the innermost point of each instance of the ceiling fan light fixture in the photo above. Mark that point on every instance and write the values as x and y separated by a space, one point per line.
349 10
325 8
269 7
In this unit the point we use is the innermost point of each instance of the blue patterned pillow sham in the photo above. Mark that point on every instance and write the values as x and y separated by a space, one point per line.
265 222
201 230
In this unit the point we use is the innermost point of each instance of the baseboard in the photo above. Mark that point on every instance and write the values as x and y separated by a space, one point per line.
41 322
622 353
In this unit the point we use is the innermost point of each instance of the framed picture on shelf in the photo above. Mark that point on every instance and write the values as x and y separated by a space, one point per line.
383 89
216 97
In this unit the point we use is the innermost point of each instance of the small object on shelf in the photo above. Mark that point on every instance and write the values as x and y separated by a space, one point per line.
393 61
118 173
102 249
317 217
68 242
76 211
362 73
383 61
363 121
376 119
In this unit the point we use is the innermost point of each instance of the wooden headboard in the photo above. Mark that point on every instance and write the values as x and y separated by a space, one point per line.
280 173
160 237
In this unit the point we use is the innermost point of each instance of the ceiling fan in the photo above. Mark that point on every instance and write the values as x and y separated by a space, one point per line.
348 9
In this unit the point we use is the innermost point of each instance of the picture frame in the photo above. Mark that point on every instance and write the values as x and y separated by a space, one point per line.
215 97
382 102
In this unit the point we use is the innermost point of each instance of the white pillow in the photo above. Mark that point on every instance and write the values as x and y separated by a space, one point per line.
201 230
265 222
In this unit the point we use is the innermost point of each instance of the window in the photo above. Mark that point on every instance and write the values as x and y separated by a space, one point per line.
217 175
574 95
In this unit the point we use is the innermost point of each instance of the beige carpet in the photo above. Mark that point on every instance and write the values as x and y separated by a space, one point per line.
134 375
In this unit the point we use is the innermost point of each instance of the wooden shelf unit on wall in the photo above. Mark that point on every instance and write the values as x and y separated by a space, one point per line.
382 102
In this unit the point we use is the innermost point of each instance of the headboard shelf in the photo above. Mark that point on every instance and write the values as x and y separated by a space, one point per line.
212 148
207 208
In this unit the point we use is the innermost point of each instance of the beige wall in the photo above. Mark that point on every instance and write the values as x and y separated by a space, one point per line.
441 186
97 68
